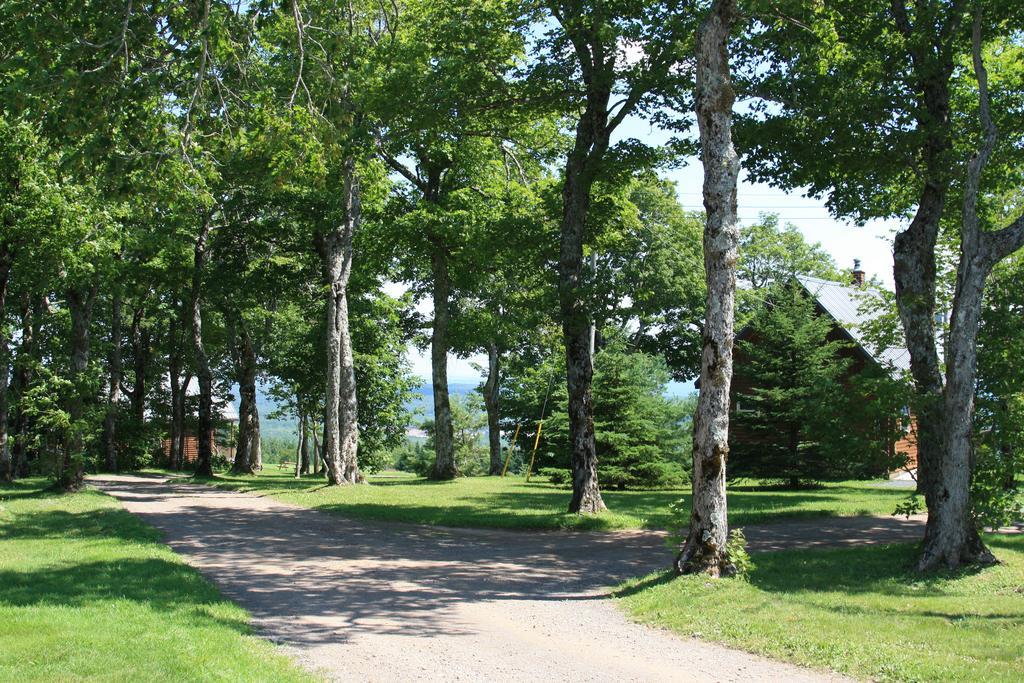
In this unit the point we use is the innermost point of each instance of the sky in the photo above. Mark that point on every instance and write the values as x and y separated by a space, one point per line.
871 243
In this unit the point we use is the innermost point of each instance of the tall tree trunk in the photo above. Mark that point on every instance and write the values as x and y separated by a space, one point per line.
70 465
444 434
576 321
300 446
304 446
256 444
705 548
319 454
174 367
140 347
177 399
348 408
491 394
22 377
204 435
914 272
114 388
341 426
247 448
951 536
914 264
6 461
179 418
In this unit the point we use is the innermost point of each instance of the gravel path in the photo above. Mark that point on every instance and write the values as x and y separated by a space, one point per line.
367 601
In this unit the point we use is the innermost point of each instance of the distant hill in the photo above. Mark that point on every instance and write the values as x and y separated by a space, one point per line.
422 403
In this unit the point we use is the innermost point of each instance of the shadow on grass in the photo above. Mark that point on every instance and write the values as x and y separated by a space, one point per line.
880 569
28 488
104 557
470 515
160 583
100 524
640 586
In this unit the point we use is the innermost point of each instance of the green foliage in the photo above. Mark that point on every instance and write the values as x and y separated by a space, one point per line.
910 506
770 255
739 557
798 416
413 457
642 437
469 423
996 495
277 449
559 476
650 269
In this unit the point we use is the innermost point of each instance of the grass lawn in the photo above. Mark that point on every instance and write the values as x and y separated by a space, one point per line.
87 591
512 503
859 611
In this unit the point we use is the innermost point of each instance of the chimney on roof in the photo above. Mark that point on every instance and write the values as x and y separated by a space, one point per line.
858 274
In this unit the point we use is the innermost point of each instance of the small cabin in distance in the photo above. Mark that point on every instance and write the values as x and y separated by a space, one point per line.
222 444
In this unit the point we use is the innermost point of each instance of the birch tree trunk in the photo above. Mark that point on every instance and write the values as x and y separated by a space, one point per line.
182 410
491 394
444 434
114 388
299 445
348 409
341 425
70 463
705 548
204 375
255 437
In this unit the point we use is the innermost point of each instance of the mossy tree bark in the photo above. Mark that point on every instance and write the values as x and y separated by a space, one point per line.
341 424
705 548
951 536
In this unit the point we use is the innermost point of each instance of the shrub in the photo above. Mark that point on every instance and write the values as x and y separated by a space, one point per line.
556 475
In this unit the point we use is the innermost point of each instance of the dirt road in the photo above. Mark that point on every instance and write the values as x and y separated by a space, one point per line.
366 601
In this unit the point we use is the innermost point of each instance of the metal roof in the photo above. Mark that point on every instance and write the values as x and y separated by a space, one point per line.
846 304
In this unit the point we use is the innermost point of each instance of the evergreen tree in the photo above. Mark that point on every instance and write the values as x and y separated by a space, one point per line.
641 437
792 374
640 441
799 414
